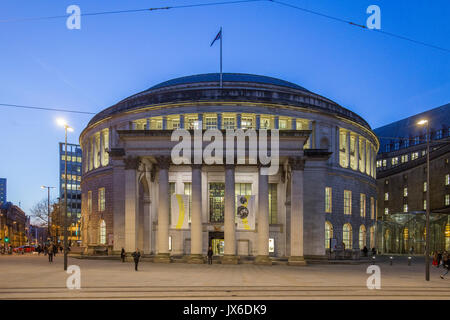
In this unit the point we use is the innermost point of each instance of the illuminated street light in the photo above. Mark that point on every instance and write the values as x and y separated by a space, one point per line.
427 226
64 124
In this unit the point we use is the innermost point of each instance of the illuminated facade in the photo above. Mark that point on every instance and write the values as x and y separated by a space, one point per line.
74 171
324 189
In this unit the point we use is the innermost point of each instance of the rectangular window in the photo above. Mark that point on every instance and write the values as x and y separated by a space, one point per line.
188 192
414 155
271 245
424 204
211 122
405 191
424 187
273 203
362 205
386 211
347 202
216 202
384 163
405 207
447 199
404 158
386 196
246 122
328 199
372 208
394 161
447 179
89 202
343 148
101 199
229 122
265 123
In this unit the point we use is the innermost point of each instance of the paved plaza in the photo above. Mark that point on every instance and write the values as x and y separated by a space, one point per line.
32 277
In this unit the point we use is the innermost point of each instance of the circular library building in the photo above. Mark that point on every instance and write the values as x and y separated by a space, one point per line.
314 189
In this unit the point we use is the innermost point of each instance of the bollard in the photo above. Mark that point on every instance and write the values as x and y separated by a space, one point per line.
409 261
391 260
373 259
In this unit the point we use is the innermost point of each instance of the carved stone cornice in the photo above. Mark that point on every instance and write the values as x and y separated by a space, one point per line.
297 163
132 163
164 162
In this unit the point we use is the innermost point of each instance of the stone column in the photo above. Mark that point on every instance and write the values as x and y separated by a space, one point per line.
146 247
263 220
131 203
163 255
229 223
296 257
196 216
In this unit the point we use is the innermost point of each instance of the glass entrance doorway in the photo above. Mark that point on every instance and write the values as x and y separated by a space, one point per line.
216 241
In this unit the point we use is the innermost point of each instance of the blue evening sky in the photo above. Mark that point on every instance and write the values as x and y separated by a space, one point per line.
42 63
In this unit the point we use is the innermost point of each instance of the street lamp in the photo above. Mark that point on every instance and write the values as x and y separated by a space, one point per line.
427 226
48 208
64 124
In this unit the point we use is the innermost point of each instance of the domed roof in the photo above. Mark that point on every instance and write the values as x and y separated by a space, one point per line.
227 77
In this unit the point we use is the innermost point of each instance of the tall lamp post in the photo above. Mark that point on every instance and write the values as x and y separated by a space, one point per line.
63 123
427 225
48 210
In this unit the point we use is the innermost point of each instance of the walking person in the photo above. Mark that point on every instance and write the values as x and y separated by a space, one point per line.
50 253
122 255
136 255
55 250
439 258
210 255
446 264
365 251
435 260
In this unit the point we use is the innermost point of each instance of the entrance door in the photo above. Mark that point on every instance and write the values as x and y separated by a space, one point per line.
216 241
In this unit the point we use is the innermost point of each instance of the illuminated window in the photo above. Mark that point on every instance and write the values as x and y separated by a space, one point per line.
362 155
343 160
188 192
404 158
328 234
405 191
384 163
414 155
192 122
211 122
273 203
265 122
405 207
362 236
173 122
284 123
156 123
424 204
102 232
101 199
424 187
362 204
347 202
246 122
347 235
271 245
447 236
372 208
328 199
386 211
353 163
447 179
394 161
386 196
229 122
447 199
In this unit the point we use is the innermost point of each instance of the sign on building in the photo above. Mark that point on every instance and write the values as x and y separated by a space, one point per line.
245 212
180 211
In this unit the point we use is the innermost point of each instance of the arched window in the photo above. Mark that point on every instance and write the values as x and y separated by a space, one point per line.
102 232
328 234
362 236
372 237
347 235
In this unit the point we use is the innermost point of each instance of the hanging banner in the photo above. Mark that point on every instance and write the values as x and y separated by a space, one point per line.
180 211
245 213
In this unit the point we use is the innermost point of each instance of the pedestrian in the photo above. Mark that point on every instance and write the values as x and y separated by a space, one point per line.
45 250
60 249
446 264
365 251
439 258
55 250
136 255
122 255
435 260
50 253
210 255
374 251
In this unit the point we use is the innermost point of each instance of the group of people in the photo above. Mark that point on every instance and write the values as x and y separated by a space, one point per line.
441 259
50 250
137 255
6 249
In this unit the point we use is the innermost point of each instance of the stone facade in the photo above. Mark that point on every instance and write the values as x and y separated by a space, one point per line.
135 169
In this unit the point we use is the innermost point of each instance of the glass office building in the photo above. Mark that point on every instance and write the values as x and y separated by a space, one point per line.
73 188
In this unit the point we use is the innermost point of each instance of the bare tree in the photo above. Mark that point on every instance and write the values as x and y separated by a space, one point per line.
40 212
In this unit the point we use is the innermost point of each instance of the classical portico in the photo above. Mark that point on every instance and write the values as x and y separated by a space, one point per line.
147 169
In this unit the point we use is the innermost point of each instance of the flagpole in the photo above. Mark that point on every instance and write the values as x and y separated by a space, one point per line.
221 36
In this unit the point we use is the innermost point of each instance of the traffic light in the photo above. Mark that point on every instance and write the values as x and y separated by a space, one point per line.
6 239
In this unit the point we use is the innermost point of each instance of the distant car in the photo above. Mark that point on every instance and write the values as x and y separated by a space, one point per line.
24 249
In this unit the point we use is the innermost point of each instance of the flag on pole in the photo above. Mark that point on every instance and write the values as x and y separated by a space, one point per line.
218 36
